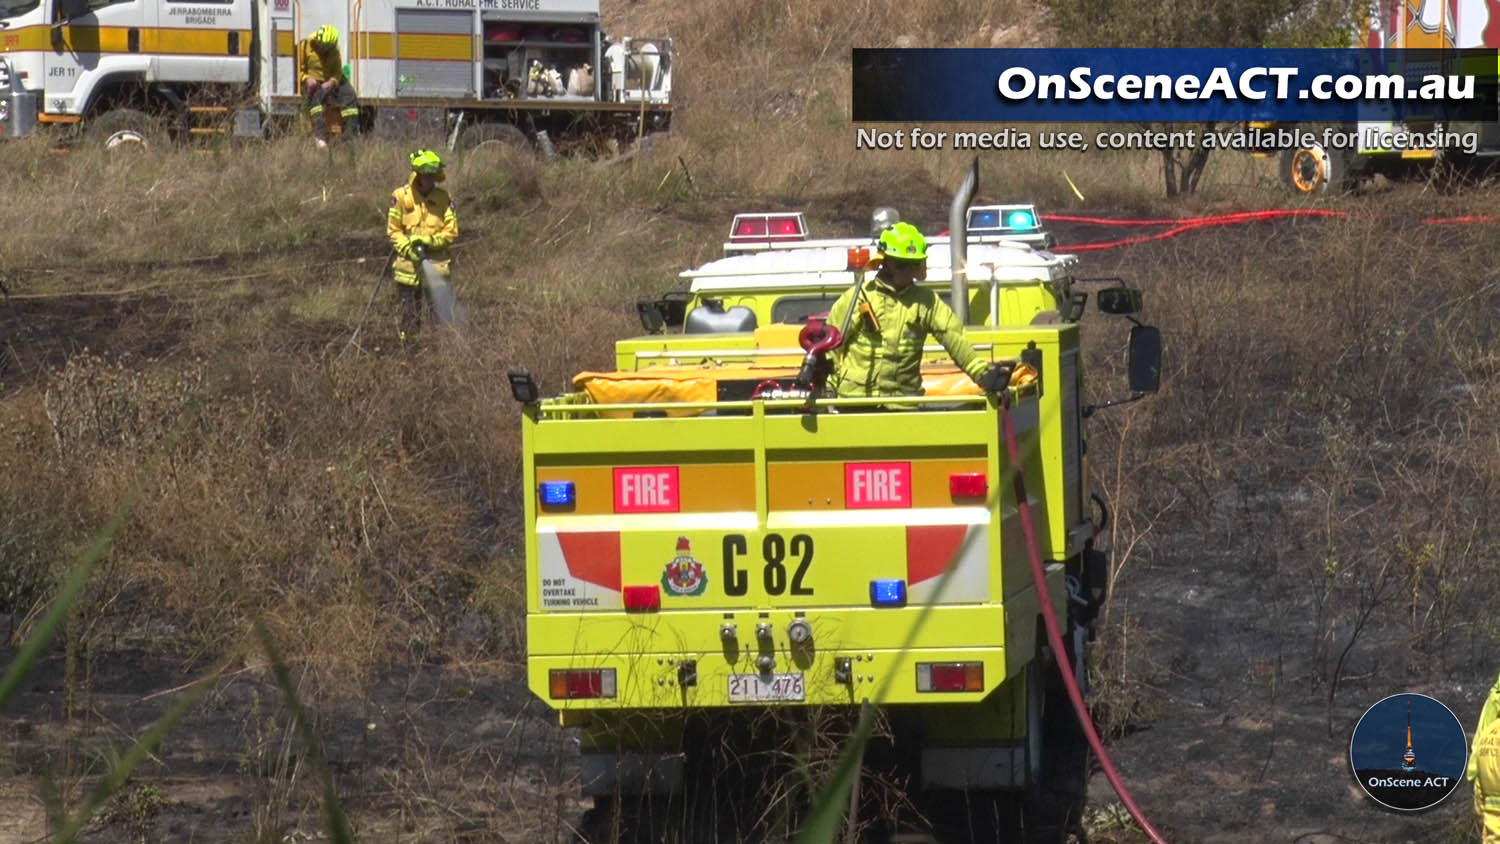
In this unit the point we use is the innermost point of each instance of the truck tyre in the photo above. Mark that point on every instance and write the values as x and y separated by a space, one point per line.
1052 807
126 128
1315 169
493 135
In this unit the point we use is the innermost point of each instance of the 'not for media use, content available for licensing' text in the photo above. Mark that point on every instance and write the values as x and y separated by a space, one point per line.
1365 137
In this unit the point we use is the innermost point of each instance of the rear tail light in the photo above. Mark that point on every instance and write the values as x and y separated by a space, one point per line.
642 598
950 676
581 683
968 485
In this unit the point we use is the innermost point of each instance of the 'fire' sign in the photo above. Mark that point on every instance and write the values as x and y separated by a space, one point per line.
647 489
877 485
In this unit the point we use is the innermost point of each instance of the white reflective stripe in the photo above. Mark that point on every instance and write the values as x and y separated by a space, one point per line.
896 517
741 520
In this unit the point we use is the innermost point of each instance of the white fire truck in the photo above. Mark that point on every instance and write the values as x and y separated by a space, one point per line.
456 72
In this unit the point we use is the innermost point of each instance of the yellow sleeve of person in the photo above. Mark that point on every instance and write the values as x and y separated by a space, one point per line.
944 325
1487 717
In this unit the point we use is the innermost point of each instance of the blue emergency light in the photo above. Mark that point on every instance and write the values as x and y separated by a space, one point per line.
557 492
1019 220
987 219
888 592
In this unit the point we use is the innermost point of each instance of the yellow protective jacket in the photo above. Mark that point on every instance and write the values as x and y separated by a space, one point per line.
1484 767
411 215
319 67
888 361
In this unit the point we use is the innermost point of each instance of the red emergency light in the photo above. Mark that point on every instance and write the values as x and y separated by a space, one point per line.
772 228
642 598
968 485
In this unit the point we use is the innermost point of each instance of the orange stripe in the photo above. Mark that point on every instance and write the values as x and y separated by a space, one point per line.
434 48
165 41
704 488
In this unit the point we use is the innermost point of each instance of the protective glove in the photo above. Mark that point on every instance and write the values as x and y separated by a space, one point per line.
996 378
416 247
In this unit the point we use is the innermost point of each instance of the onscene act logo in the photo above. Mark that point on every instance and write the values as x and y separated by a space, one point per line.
1408 752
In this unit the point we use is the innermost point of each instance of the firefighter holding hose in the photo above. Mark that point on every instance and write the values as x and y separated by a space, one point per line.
422 225
882 354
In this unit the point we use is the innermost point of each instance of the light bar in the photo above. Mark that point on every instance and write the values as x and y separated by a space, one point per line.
1003 219
768 228
580 683
556 493
888 592
950 676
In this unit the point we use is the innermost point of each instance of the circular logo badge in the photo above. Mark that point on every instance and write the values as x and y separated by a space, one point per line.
1408 752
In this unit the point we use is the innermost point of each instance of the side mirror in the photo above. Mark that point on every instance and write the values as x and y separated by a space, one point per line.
1121 301
1145 358
651 316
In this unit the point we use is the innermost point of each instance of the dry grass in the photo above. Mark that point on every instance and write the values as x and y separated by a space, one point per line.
1327 421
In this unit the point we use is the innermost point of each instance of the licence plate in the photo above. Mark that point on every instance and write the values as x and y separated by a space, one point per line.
749 688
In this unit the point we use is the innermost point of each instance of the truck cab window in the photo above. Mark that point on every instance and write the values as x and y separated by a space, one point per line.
15 8
796 309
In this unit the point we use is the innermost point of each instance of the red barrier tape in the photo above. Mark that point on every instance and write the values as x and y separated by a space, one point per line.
1472 218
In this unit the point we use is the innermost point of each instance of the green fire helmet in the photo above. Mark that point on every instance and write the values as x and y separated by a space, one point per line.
903 241
326 36
427 162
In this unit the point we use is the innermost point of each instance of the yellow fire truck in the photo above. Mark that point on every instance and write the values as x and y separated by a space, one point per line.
464 72
706 537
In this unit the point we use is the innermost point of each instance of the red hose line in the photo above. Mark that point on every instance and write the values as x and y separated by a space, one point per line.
1470 218
1190 223
1054 635
1269 214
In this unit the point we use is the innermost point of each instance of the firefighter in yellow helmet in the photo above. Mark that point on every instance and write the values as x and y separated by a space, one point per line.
422 225
882 356
320 73
1484 767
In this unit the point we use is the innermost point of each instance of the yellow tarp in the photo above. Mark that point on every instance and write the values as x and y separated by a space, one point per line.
699 384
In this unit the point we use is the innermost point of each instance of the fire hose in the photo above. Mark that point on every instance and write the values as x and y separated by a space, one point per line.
1187 224
1054 634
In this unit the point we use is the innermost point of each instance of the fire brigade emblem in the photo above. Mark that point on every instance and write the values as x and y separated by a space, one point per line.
684 575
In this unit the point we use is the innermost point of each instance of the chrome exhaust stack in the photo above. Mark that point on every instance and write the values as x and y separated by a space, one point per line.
958 241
